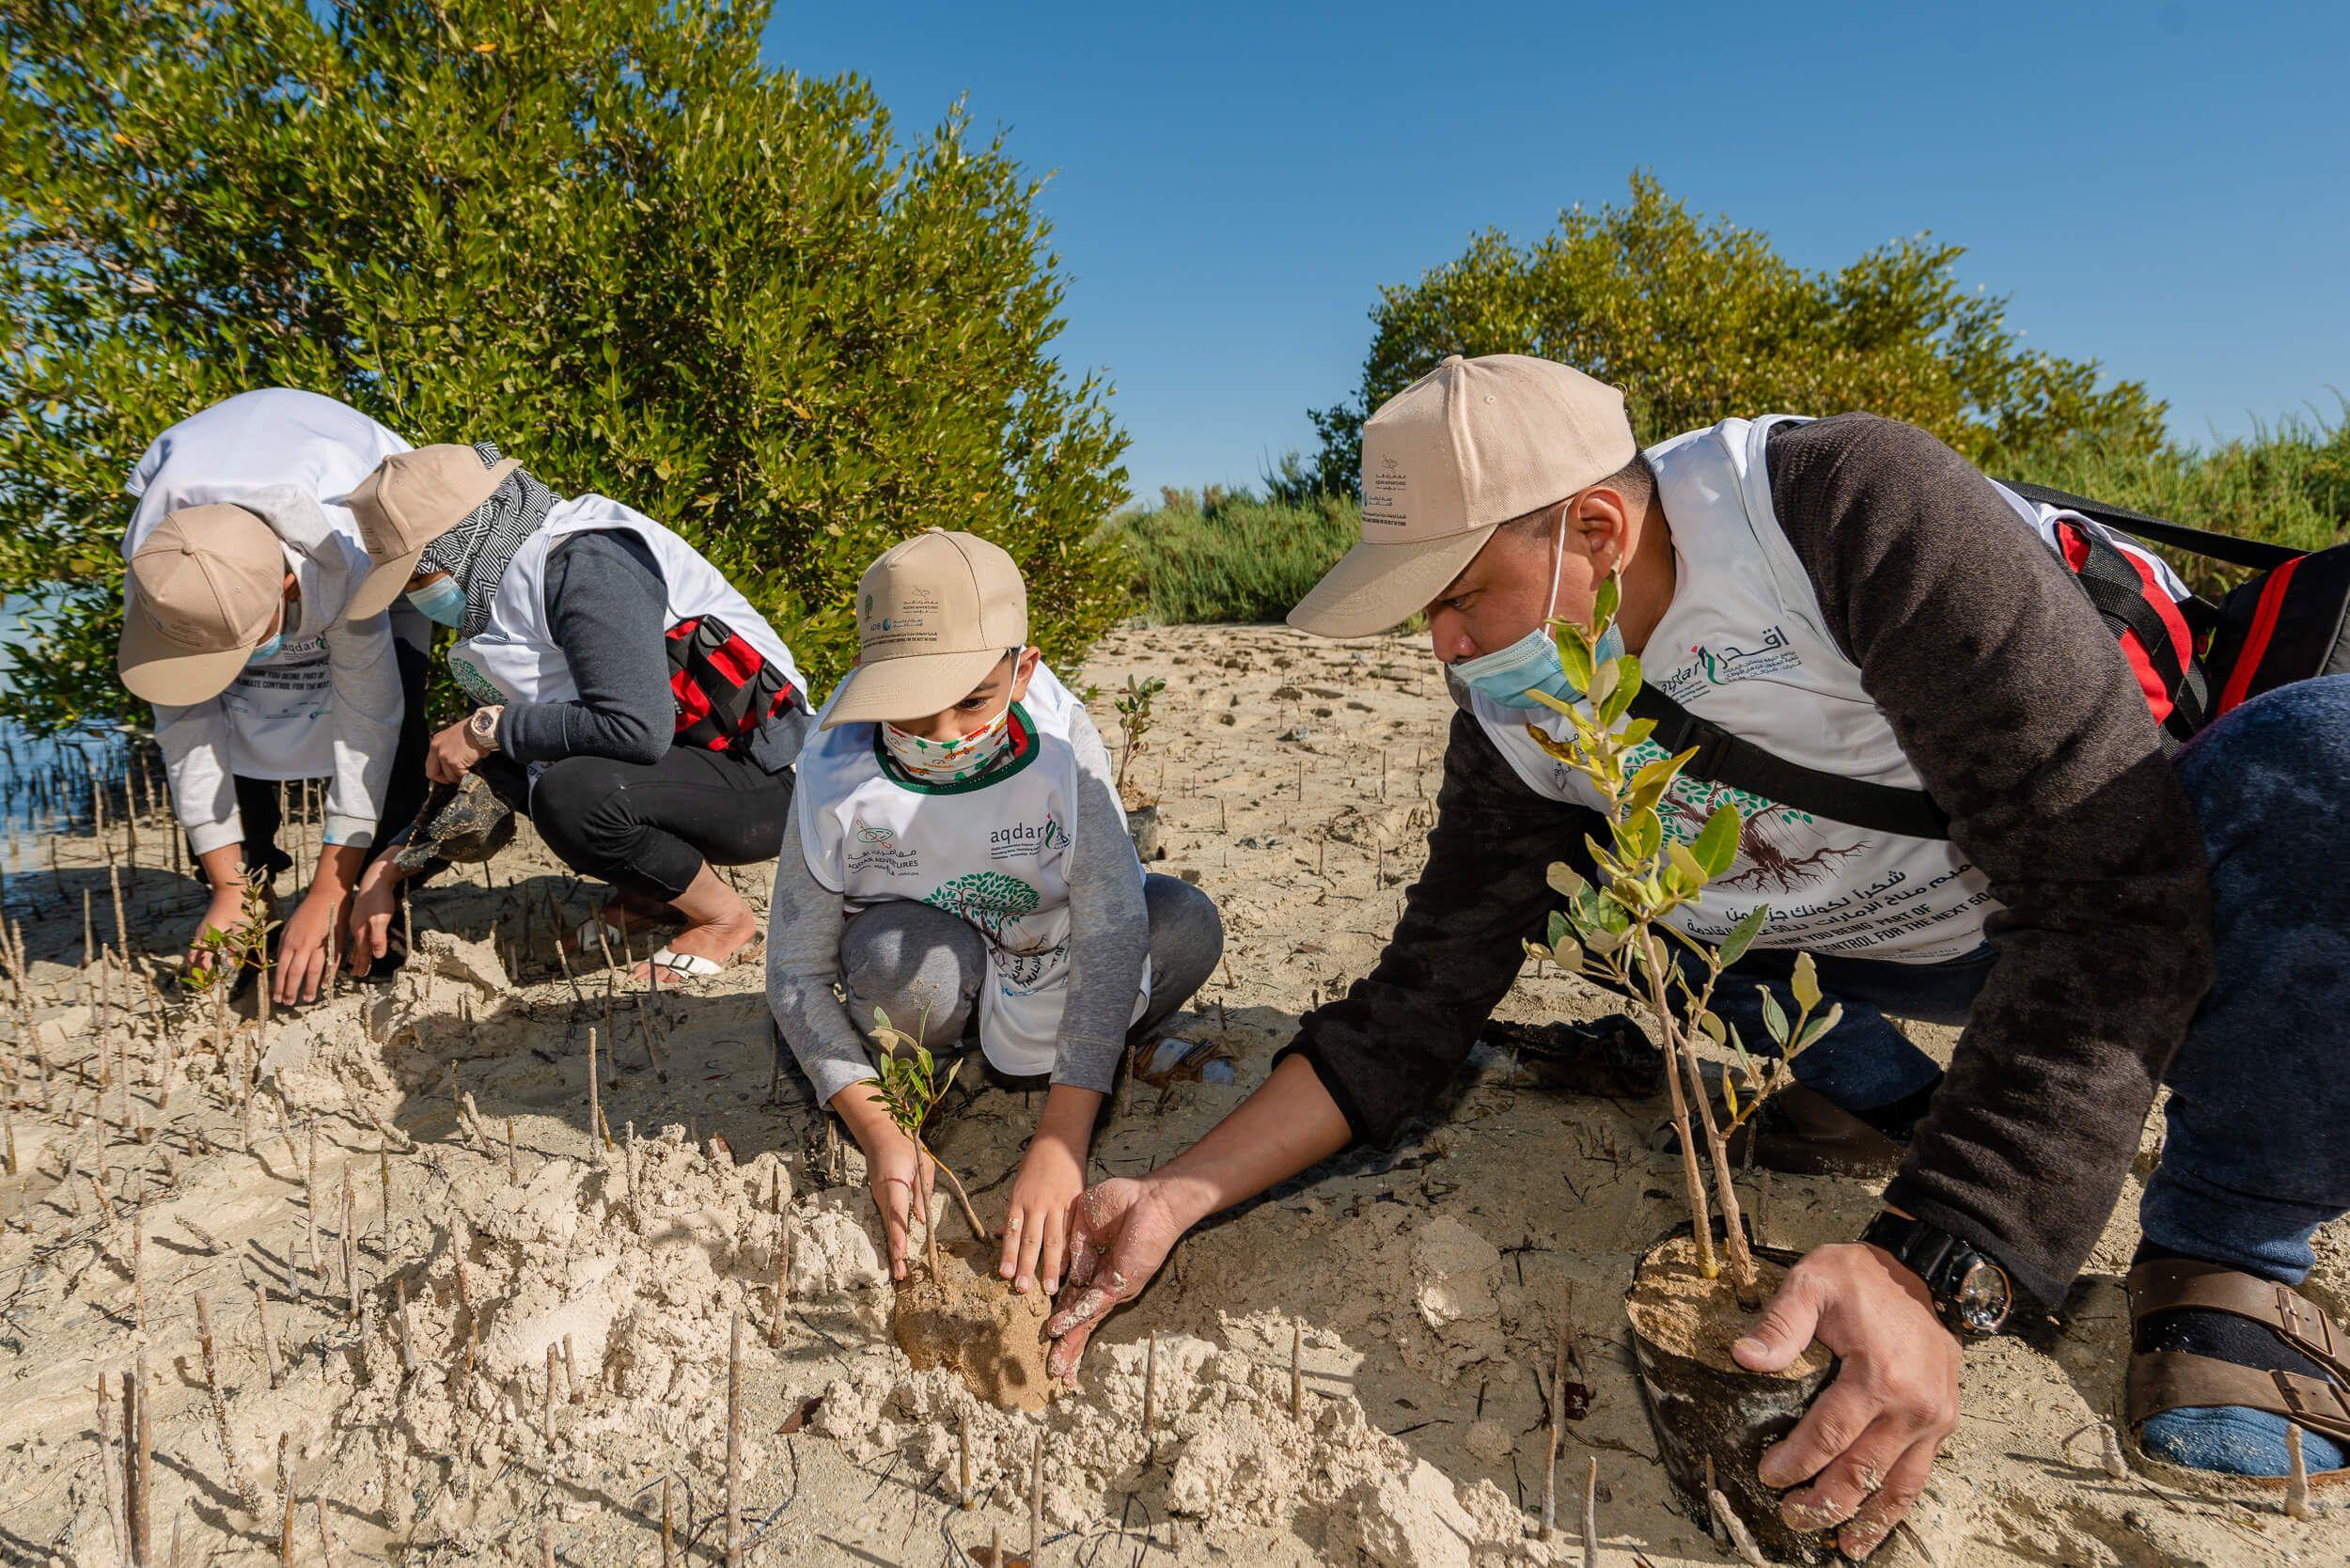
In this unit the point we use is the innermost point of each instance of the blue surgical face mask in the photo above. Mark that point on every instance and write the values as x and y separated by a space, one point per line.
276 639
440 600
1511 675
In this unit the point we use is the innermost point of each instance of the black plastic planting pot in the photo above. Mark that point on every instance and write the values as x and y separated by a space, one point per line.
1142 825
1701 1411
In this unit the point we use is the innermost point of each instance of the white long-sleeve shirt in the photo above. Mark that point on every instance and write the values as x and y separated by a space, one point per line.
327 704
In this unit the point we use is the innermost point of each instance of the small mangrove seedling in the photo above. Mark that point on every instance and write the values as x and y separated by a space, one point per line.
1627 920
909 1088
222 955
1135 720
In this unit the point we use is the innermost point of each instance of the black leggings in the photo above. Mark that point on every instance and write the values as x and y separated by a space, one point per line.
649 827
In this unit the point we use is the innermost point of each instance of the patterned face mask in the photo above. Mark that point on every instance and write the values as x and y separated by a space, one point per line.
950 761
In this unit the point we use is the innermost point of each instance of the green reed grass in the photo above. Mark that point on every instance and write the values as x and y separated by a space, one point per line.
2288 483
1231 557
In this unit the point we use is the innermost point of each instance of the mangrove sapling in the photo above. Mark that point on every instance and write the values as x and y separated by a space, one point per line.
1615 931
1617 927
1135 720
910 1089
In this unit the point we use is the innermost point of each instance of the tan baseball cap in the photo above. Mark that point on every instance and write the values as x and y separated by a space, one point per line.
1469 446
933 615
205 588
411 499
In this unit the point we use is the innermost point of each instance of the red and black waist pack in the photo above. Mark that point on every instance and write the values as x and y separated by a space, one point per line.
725 688
2196 660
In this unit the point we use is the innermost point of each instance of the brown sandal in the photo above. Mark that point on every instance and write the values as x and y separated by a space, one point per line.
2166 1380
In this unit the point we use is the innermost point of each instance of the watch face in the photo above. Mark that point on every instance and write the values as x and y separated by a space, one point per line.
1982 1298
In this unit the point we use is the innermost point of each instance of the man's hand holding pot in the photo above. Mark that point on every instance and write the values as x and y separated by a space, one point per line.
1862 1455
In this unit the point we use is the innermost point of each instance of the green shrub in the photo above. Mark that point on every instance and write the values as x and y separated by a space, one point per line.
1230 556
2288 483
1700 320
603 236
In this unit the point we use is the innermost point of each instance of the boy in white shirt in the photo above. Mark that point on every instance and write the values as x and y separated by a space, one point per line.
957 807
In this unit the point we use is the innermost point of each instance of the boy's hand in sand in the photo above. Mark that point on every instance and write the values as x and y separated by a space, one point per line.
895 1171
1868 1441
1052 1174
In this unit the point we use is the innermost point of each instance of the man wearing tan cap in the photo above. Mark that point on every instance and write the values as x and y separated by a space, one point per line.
631 702
1842 611
238 626
963 868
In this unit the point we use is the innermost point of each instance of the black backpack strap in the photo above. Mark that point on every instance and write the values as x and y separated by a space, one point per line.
1725 758
2255 553
2119 595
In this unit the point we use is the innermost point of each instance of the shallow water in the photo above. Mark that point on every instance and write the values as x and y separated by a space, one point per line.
47 779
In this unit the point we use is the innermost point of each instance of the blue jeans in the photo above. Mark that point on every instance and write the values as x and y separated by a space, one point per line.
2257 1154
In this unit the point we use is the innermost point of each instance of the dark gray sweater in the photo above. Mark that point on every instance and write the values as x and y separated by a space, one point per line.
2021 715
609 613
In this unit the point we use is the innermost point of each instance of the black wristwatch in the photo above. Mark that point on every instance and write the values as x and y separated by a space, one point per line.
1971 1294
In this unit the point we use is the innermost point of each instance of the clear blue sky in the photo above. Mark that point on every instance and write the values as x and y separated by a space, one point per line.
2163 187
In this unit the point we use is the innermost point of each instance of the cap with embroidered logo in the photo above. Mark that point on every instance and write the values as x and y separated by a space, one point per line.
409 500
1462 450
933 615
202 593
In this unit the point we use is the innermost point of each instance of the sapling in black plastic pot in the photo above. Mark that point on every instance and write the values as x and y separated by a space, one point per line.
1616 928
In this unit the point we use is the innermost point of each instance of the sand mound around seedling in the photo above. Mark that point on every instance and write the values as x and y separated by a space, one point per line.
967 1317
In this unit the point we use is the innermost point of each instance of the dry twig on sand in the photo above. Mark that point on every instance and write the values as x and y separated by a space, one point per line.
239 1482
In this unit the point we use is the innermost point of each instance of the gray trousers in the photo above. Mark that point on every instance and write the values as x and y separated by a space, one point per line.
916 962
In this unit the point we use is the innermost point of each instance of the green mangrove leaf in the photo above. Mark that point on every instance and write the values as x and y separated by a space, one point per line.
1716 846
1742 935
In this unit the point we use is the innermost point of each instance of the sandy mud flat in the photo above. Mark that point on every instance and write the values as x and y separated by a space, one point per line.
457 1194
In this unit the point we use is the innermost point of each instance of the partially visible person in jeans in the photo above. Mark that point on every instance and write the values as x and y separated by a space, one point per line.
632 704
238 626
960 862
1851 596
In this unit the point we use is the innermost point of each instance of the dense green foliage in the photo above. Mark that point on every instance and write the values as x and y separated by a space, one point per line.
1700 321
1229 555
603 236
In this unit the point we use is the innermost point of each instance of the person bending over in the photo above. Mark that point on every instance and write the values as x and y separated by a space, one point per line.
634 705
957 808
238 626
1849 596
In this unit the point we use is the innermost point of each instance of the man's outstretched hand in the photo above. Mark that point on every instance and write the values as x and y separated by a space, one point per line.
1868 1441
1123 1231
1124 1228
